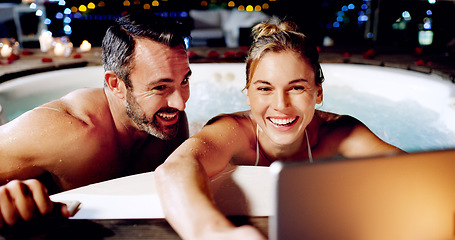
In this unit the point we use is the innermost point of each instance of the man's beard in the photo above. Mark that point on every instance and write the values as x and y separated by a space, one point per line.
151 126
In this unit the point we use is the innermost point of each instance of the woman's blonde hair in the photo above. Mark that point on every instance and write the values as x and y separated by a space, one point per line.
276 35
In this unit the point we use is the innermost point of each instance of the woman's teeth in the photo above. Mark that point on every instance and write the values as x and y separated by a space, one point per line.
282 121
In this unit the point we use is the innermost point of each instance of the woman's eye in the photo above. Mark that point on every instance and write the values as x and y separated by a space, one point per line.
264 89
298 88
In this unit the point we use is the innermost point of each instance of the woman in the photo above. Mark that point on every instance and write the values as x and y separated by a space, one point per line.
284 84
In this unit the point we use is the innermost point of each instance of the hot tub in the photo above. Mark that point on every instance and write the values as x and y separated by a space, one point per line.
411 110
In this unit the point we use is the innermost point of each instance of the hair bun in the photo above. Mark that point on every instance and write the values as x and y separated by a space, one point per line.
272 27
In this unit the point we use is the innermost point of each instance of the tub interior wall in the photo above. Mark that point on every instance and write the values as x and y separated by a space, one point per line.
366 92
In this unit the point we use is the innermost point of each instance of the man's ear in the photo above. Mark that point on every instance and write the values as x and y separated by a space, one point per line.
115 84
320 95
247 97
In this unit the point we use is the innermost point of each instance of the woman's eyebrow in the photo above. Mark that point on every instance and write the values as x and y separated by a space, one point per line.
261 82
298 80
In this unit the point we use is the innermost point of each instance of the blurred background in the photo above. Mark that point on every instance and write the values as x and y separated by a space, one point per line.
401 25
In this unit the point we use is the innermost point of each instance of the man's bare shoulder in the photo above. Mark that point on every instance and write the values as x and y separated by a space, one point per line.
86 105
64 131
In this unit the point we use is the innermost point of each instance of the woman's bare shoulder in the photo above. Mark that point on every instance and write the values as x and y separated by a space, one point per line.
330 119
236 117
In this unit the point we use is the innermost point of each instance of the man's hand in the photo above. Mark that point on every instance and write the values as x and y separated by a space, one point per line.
25 200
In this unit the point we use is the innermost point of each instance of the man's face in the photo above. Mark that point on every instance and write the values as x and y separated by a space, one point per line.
160 88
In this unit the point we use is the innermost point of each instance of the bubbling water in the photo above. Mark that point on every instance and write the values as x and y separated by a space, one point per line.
410 123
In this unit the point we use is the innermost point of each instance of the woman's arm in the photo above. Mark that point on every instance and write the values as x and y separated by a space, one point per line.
351 138
182 182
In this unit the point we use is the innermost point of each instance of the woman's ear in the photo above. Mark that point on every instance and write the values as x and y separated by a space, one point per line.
319 95
247 97
115 85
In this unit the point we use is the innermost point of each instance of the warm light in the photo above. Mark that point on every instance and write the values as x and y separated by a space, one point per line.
204 3
126 3
91 6
155 3
45 41
146 6
231 4
249 8
59 49
265 6
82 8
6 51
73 9
101 4
137 2
257 8
85 46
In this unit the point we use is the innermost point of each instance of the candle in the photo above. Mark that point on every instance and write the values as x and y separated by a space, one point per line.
59 49
68 48
6 51
85 46
45 41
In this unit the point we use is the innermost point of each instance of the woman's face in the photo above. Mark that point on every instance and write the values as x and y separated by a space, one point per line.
283 95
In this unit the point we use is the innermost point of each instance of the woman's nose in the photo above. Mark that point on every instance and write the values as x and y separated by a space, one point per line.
281 101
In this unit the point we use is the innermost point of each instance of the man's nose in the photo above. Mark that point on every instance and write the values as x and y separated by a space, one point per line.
178 99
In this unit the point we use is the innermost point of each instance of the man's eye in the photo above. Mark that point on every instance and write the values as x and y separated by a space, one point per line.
160 87
186 81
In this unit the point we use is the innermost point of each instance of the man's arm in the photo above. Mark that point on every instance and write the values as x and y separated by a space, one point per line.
30 146
182 183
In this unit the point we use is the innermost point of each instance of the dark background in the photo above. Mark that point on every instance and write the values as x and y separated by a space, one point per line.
315 18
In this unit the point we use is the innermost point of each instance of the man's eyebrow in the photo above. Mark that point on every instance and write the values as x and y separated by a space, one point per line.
189 73
167 80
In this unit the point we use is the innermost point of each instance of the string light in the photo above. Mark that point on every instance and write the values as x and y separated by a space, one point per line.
82 8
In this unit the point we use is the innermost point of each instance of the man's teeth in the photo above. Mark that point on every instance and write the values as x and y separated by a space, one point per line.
168 115
282 121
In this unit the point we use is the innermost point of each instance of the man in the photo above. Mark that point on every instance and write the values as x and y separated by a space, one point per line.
90 135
